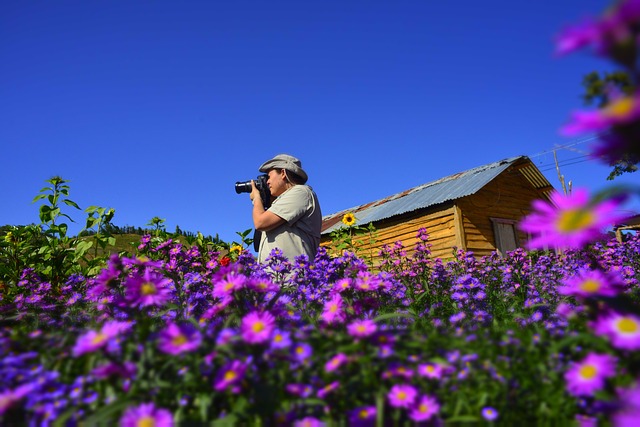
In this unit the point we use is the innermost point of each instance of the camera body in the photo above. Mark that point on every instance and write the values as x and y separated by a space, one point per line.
261 185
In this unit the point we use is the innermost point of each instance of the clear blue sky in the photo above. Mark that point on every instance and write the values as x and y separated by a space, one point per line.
156 108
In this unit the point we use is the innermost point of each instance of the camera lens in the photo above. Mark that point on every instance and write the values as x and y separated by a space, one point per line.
243 187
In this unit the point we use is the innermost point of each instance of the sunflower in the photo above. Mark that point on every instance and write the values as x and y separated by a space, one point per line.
349 219
236 248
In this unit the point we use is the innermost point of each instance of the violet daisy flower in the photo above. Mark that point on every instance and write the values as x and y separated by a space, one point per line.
489 413
230 376
424 408
402 395
569 221
308 422
364 416
628 412
176 339
227 285
586 377
589 283
280 339
256 327
332 310
623 330
147 289
146 414
335 362
430 370
93 340
619 111
302 352
362 328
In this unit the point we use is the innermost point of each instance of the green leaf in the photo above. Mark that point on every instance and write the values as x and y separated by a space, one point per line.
71 203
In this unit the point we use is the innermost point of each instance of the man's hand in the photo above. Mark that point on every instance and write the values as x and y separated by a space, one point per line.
255 193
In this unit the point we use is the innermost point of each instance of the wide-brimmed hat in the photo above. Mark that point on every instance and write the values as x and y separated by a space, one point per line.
287 162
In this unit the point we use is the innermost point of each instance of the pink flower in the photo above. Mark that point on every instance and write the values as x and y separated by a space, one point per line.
363 416
229 284
146 414
176 339
589 283
569 221
230 376
362 328
332 310
588 376
147 289
623 330
489 413
93 340
424 409
335 362
256 327
430 370
402 395
620 111
628 413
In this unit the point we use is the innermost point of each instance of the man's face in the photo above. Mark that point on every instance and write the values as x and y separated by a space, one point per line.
276 182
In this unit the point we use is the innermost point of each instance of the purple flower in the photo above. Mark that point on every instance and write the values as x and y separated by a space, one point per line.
280 339
230 376
302 352
332 310
569 221
147 289
619 111
176 339
93 340
9 397
308 422
257 327
587 283
146 414
230 283
424 408
430 370
364 416
623 330
588 376
628 412
489 413
402 395
335 362
362 328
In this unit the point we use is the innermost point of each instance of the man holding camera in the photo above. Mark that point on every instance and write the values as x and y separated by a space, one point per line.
293 221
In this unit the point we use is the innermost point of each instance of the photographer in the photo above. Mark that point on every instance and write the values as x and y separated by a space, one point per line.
293 221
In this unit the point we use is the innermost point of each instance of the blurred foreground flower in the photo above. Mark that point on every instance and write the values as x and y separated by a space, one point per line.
620 111
569 221
588 376
146 414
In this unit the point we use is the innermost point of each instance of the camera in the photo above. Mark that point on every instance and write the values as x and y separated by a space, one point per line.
261 185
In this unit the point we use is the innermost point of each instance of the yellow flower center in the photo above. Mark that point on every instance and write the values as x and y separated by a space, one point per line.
575 219
402 395
258 327
431 369
619 108
333 308
590 285
627 325
146 421
423 407
148 288
588 372
364 414
230 376
278 338
99 338
179 340
228 286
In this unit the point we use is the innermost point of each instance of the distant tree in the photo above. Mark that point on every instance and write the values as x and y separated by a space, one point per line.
597 92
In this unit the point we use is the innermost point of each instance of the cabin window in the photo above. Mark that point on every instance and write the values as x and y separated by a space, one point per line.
505 234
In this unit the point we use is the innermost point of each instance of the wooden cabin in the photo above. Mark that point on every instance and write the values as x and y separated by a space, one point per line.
476 210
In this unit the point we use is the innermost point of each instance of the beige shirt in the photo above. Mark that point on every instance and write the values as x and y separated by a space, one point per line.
300 234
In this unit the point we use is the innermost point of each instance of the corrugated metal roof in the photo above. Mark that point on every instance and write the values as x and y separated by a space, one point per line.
445 189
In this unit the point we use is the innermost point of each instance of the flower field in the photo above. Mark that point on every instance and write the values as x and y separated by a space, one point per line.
194 332
179 334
